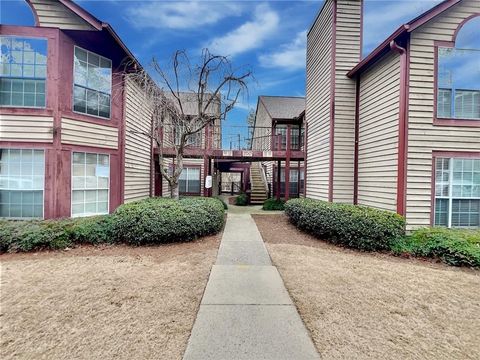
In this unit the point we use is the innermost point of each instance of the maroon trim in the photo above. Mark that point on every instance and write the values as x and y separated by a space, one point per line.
405 28
402 129
457 30
306 158
357 134
332 103
447 121
361 30
445 154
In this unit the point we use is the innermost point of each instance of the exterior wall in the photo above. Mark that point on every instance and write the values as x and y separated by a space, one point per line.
28 128
347 54
138 148
263 136
78 132
186 163
424 136
51 13
319 103
67 131
378 134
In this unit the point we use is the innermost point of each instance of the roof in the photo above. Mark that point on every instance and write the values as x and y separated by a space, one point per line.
190 104
283 107
92 21
401 32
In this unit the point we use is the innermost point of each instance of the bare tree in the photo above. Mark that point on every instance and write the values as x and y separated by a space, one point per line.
185 99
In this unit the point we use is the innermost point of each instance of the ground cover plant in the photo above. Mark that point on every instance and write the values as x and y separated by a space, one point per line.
149 221
241 200
274 204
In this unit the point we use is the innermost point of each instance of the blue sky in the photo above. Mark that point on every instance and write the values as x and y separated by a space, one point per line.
268 36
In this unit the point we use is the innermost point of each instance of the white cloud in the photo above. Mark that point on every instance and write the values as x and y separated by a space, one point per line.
291 56
181 14
249 35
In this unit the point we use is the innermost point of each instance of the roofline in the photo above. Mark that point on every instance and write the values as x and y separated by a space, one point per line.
99 25
403 29
281 96
316 17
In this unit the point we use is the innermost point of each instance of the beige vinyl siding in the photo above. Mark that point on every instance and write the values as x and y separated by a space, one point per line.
262 131
347 49
26 128
317 113
138 117
78 132
378 134
52 13
423 136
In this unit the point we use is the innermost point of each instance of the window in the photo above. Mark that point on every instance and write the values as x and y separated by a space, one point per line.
92 87
294 178
457 192
22 174
189 181
458 93
23 70
193 140
90 184
295 137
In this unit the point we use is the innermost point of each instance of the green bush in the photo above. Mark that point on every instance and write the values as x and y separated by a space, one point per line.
456 247
155 220
161 220
353 226
274 204
241 200
225 205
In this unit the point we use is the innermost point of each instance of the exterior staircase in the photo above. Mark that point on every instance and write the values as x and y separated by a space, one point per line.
259 187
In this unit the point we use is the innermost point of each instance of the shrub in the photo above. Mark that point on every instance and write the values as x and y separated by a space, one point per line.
274 204
225 205
93 230
353 226
456 247
241 200
160 220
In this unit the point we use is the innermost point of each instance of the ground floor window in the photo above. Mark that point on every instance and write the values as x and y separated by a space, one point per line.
457 192
22 176
90 183
296 181
189 182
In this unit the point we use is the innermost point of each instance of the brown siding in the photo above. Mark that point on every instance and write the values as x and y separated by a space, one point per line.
138 117
347 55
78 132
51 13
317 113
378 134
423 136
26 128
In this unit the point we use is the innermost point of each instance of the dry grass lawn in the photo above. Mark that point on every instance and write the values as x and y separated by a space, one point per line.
370 306
112 302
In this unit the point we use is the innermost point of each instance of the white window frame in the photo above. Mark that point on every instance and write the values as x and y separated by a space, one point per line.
72 189
73 86
43 195
450 196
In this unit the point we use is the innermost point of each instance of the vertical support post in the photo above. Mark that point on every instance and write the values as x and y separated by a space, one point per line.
287 162
279 171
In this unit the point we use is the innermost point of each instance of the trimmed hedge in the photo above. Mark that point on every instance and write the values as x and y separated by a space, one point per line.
456 247
162 220
155 220
274 204
352 226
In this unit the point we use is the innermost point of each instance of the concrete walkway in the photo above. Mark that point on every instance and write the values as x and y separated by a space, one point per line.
246 312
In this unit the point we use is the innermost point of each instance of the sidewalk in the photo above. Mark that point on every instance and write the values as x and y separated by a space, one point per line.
246 312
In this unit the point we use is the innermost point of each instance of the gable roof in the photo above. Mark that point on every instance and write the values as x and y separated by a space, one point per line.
283 107
404 29
83 16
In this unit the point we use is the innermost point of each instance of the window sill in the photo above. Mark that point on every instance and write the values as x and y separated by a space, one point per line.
456 122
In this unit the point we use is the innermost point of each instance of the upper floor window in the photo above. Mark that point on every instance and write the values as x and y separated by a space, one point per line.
23 70
92 87
458 95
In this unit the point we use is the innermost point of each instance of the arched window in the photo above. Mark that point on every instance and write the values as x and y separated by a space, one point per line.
458 92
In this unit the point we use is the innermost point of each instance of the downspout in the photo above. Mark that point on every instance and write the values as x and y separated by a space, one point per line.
402 128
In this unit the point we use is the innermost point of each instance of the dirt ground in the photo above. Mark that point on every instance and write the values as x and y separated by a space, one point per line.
111 302
375 306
